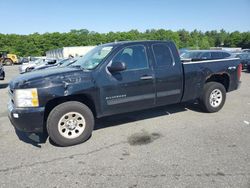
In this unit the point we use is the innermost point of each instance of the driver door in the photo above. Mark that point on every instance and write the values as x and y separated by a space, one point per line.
131 89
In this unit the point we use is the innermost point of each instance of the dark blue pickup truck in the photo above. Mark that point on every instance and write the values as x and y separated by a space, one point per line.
111 79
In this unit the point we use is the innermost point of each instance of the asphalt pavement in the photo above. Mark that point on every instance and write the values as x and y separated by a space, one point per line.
173 146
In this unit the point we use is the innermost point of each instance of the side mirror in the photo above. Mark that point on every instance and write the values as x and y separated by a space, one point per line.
117 66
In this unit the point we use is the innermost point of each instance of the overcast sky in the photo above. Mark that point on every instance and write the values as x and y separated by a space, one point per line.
29 16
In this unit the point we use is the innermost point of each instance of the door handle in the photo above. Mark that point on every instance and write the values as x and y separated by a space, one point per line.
146 77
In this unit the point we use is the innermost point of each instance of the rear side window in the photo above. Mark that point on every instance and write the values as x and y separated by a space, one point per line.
216 55
225 55
163 55
206 55
134 57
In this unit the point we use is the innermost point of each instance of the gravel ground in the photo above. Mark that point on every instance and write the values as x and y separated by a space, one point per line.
174 146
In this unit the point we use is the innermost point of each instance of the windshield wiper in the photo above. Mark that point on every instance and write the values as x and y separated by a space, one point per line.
76 66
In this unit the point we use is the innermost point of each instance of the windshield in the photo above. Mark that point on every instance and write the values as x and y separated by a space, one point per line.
93 58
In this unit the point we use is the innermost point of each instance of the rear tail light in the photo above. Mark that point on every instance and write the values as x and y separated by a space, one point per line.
239 71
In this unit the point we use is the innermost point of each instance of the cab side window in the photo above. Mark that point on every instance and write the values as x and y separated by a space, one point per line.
163 55
134 57
206 55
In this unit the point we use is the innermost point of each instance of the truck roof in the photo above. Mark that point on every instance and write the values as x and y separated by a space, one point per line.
137 41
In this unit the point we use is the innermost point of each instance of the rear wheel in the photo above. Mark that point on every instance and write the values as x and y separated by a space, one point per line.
27 69
70 123
8 62
213 97
3 76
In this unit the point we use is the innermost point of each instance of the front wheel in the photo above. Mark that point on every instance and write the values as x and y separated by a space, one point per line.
213 97
70 123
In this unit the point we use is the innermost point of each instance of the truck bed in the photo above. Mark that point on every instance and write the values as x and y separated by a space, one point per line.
196 74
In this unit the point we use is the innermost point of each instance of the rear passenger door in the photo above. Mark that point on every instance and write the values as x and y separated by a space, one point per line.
168 74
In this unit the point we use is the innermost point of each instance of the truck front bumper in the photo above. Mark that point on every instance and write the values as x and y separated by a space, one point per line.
27 119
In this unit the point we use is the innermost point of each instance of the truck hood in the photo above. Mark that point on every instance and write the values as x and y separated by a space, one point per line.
50 77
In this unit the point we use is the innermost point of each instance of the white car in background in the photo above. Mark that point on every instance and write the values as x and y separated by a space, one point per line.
26 66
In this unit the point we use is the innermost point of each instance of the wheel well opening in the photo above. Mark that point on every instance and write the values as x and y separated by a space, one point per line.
223 79
8 59
80 98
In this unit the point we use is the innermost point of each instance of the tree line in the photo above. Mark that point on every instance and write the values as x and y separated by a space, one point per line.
37 44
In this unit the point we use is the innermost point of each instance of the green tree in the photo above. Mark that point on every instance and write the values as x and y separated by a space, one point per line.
37 44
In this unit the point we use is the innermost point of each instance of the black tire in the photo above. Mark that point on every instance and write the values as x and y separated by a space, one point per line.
56 116
205 97
248 68
8 62
3 76
27 69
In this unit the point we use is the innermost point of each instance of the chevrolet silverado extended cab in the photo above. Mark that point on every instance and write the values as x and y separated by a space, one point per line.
111 79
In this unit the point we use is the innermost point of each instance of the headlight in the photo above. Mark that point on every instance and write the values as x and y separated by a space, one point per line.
26 98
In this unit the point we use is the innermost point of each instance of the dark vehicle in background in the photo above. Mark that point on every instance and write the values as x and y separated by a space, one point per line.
111 79
246 50
245 60
201 55
183 51
2 73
